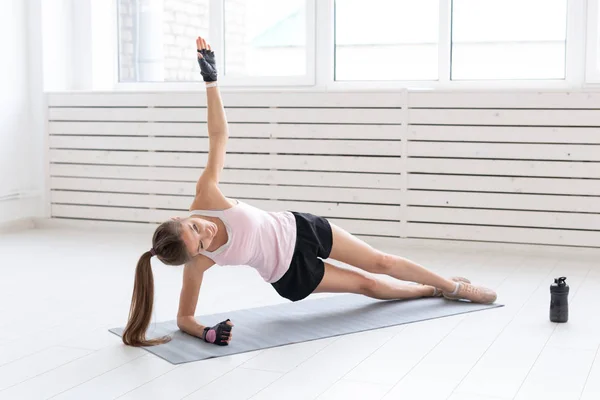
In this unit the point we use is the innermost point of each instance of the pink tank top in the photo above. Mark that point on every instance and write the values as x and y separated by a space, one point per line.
256 238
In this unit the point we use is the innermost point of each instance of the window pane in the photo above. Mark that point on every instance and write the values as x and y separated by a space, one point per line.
593 68
265 37
386 39
157 39
509 39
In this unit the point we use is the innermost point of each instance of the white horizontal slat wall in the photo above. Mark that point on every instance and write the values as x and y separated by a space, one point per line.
504 167
479 166
133 157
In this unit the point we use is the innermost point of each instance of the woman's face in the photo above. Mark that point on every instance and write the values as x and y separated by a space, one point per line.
197 234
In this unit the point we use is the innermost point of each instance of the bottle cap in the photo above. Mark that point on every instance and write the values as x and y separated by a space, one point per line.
559 285
560 281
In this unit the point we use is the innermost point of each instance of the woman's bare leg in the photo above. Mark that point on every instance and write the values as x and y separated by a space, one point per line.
353 251
342 280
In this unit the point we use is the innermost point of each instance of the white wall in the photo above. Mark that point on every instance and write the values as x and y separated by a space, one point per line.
59 68
68 30
21 112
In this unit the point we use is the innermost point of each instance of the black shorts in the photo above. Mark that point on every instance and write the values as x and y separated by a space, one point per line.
313 243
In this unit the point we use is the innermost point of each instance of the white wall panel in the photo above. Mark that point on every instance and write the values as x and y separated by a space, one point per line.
132 157
519 167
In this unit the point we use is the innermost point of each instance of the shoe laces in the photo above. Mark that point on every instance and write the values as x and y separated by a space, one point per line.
470 289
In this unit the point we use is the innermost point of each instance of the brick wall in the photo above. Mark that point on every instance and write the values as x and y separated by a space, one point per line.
183 21
126 70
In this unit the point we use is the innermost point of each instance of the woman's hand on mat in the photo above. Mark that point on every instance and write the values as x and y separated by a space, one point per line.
219 334
206 60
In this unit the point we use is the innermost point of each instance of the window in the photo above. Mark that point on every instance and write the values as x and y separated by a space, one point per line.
265 38
358 43
593 41
386 40
509 39
157 39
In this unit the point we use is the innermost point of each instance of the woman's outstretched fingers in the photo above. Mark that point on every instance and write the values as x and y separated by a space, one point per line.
200 45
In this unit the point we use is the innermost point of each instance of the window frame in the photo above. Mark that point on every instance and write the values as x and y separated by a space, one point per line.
320 23
574 54
592 67
217 39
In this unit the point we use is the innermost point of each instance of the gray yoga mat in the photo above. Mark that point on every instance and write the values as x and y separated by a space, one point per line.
310 319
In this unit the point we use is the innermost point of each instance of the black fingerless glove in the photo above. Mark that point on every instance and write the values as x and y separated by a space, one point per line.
218 334
208 65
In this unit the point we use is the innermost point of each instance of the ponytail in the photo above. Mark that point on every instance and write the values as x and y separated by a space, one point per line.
142 302
170 249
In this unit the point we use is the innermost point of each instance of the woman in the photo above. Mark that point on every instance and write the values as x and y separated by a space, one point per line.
286 248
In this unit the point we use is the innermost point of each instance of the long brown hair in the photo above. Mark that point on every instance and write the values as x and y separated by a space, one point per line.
170 249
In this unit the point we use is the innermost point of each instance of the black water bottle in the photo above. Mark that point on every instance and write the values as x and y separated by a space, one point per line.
559 300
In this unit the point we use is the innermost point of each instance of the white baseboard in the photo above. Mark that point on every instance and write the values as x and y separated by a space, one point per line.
515 248
18 213
383 243
105 226
17 225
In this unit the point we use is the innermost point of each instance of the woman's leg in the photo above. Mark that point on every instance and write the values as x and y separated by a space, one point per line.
341 280
353 251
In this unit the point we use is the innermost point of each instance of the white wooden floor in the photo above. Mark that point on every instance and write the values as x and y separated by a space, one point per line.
61 289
